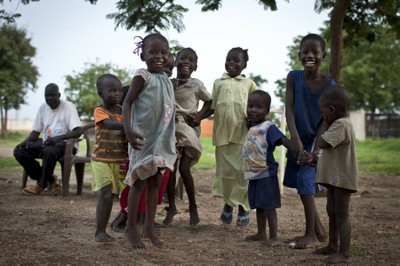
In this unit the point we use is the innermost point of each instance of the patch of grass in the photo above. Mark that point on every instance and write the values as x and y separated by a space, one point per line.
207 159
8 163
378 157
14 138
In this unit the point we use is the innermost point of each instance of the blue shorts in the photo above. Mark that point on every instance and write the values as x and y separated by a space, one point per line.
300 177
264 193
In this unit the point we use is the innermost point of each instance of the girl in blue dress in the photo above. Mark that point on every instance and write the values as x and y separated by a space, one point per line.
303 89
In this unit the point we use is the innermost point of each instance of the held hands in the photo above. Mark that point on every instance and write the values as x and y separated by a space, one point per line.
135 140
310 159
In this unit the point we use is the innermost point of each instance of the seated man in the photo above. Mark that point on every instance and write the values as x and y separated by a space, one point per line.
58 120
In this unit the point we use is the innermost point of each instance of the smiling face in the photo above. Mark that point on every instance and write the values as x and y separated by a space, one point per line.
155 53
311 54
258 107
186 63
111 91
235 63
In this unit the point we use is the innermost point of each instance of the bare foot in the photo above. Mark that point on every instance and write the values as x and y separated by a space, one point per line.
170 216
306 242
103 237
194 216
256 237
272 242
337 258
119 223
327 250
152 236
134 239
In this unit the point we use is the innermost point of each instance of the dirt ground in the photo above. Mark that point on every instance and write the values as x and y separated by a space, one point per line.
52 230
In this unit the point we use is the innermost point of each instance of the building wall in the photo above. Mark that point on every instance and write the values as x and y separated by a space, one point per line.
358 120
20 125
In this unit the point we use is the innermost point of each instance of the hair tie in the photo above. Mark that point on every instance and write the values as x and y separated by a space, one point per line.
138 44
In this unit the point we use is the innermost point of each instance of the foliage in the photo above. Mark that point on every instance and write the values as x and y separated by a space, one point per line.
17 72
148 15
368 72
9 17
258 79
81 86
360 20
363 19
158 15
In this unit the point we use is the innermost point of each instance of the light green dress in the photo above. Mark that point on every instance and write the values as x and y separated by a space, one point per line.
229 98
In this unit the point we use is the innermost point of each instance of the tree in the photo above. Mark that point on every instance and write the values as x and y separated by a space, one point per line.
81 86
368 72
17 72
359 19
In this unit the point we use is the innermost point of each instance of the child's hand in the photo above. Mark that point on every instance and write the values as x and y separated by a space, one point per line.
135 140
296 148
307 159
193 120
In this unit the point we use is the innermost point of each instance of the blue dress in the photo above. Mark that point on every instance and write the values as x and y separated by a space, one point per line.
307 117
153 117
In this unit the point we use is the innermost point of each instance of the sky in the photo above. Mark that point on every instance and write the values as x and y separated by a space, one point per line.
68 34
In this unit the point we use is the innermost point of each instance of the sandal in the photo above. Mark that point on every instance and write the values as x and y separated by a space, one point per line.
243 220
226 217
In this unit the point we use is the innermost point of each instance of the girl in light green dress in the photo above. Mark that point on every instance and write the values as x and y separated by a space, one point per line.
229 102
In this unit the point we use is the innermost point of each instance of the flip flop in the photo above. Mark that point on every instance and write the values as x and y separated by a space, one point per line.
243 221
226 217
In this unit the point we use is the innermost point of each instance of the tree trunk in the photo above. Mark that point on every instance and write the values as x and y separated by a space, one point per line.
3 115
337 20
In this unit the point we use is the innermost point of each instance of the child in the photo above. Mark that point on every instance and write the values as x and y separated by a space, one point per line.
260 167
229 100
149 115
188 92
337 170
119 223
109 150
169 66
303 89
